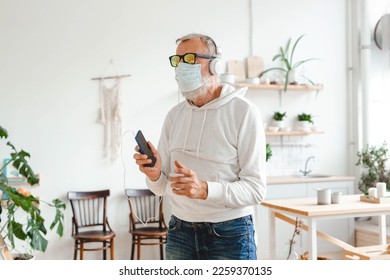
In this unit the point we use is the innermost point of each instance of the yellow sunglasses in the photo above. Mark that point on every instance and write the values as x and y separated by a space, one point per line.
189 58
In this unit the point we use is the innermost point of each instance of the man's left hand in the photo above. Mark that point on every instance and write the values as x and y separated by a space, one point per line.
187 183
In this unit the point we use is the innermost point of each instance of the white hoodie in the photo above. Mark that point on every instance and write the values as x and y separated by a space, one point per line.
224 143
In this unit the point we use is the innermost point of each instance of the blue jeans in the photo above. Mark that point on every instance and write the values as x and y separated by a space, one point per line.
229 240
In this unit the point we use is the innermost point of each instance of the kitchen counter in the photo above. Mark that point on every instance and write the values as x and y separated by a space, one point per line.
276 180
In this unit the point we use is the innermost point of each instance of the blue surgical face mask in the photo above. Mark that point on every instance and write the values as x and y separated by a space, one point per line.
188 76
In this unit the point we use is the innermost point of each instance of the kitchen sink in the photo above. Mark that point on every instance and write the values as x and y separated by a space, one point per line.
312 176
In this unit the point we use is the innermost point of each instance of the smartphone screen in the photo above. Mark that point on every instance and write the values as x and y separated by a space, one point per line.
144 147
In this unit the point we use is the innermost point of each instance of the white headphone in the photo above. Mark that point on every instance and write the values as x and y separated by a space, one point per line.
216 65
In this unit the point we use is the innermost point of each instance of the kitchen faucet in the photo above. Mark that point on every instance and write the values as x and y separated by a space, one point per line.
306 172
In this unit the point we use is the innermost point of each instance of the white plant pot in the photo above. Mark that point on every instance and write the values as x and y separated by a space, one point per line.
293 77
24 257
280 124
304 126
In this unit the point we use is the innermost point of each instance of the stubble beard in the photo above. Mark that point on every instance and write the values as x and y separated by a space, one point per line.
201 91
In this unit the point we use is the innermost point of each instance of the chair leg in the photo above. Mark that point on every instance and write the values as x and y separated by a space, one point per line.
81 250
161 249
112 248
75 250
132 248
105 250
139 249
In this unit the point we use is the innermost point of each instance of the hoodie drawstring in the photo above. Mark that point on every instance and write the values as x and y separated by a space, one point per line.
188 132
201 133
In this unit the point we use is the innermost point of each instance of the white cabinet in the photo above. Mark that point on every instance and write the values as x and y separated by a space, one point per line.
342 229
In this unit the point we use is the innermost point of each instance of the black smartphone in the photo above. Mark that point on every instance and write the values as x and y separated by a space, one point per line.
144 147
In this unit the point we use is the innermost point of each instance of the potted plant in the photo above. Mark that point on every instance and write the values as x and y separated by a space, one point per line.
373 159
29 224
288 66
305 121
268 152
305 118
279 119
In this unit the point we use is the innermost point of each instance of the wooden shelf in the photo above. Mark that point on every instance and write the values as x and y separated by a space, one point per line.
292 133
20 182
281 87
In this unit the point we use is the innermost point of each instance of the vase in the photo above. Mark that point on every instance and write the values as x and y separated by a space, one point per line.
291 252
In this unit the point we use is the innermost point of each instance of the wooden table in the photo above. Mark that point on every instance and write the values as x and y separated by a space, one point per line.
308 209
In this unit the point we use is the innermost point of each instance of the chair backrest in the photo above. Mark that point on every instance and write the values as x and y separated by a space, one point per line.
89 209
145 208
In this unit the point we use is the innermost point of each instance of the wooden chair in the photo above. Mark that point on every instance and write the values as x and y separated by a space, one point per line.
90 224
146 220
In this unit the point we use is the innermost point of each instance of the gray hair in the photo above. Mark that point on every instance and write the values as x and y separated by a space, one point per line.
207 40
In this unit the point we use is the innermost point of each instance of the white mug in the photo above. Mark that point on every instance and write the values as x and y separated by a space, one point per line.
373 192
381 189
323 196
336 197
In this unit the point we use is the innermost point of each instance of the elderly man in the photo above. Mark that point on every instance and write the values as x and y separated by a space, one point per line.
210 160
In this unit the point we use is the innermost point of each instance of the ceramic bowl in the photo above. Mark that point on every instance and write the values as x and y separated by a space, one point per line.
255 80
273 128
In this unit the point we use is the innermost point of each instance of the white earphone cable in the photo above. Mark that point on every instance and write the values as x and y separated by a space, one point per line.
124 185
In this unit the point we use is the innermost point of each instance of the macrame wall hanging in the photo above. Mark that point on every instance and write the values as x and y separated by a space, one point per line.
110 115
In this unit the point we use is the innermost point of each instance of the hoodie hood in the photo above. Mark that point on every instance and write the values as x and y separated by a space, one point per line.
228 93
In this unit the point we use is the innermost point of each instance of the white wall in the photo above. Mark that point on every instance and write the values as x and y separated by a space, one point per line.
324 25
50 50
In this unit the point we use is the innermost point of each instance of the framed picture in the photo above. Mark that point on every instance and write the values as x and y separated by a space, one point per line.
11 173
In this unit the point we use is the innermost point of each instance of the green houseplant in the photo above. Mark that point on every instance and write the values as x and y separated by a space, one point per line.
303 117
288 65
268 151
373 159
278 118
32 229
305 121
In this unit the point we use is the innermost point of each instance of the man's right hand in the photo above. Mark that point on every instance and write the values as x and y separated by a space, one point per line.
142 160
